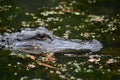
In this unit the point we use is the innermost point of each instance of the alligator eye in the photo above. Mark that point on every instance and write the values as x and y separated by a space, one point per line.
41 37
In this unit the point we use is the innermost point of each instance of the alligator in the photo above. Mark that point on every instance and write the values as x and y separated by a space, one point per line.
40 40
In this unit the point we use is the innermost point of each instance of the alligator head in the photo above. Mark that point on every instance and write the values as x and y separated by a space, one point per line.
40 40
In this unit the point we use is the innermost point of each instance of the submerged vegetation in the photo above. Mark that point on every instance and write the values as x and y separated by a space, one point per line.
84 19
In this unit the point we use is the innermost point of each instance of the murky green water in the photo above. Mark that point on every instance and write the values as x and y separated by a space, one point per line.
80 19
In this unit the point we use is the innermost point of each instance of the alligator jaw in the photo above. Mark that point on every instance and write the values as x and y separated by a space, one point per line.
61 46
68 46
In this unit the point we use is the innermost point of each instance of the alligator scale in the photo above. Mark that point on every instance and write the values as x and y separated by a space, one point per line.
40 40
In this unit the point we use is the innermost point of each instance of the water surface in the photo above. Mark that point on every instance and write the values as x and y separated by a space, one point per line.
80 19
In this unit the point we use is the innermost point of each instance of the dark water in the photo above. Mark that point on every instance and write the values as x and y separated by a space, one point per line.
80 19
